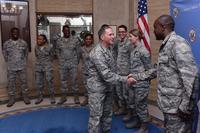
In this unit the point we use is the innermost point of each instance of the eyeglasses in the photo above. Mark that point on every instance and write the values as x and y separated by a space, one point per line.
121 31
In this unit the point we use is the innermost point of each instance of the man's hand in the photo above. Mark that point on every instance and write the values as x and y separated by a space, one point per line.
130 75
131 81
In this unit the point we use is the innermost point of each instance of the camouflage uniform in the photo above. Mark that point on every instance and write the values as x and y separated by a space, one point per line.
198 126
138 93
68 52
114 52
100 80
85 57
123 59
44 68
15 54
176 73
55 37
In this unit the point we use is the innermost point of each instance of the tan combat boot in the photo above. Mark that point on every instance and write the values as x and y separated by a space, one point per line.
76 99
143 128
85 102
11 101
26 99
63 99
52 99
128 116
39 99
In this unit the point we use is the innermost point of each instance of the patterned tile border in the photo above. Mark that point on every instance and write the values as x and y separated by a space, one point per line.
153 119
31 109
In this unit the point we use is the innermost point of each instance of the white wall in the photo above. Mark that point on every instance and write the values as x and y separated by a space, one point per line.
112 12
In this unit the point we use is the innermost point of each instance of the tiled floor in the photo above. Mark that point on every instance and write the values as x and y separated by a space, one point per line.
20 107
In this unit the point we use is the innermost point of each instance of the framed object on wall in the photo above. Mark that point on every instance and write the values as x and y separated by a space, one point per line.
15 14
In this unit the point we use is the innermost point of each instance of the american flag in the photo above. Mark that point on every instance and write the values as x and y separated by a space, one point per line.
142 22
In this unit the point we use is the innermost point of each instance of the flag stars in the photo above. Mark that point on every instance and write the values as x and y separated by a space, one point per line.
142 7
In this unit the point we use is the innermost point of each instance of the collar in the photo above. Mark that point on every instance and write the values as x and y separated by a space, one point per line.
166 40
168 36
137 45
124 40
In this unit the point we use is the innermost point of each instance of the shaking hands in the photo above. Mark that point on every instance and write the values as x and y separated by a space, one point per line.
130 80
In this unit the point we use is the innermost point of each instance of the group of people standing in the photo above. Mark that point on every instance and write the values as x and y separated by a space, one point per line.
122 68
111 65
115 70
68 50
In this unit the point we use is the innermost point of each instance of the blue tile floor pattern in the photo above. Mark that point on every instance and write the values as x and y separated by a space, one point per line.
59 120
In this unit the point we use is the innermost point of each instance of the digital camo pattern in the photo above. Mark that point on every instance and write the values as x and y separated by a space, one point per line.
100 105
175 124
123 64
140 61
68 52
12 76
176 72
85 51
15 54
177 75
123 56
43 67
101 78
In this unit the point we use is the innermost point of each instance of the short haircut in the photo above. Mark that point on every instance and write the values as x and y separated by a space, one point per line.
168 21
73 32
44 36
122 26
88 34
102 30
65 26
14 28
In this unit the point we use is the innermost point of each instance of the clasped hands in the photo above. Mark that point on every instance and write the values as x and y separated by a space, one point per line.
130 80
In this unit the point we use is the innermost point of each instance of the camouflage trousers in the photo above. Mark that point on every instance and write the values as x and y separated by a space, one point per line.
100 105
12 76
175 124
115 97
64 74
138 102
84 79
40 77
122 93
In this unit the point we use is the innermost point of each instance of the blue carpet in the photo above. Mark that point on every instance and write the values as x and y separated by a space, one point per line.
58 120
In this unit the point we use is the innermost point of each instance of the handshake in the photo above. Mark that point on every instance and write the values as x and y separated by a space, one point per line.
130 80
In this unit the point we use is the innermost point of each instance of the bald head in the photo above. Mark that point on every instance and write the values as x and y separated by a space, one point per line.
167 21
163 26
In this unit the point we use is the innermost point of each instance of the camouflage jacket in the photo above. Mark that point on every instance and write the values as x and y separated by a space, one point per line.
123 56
44 57
15 54
68 50
140 61
176 74
101 70
85 51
